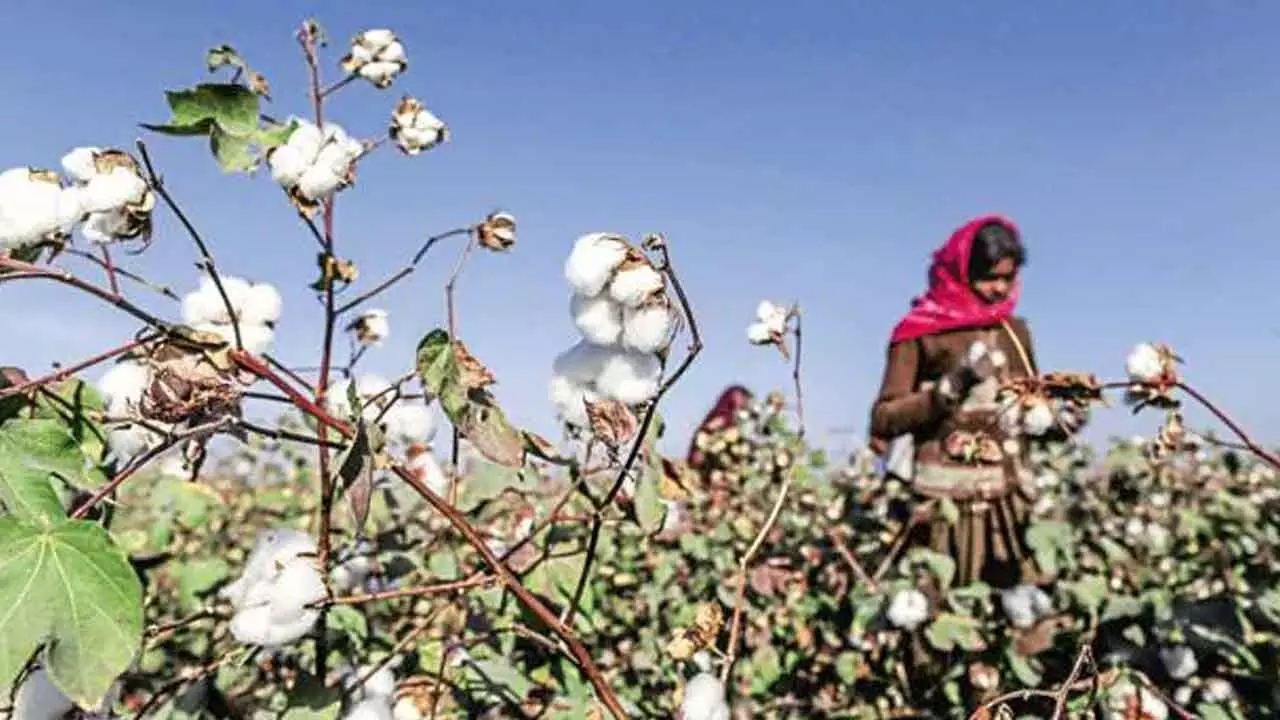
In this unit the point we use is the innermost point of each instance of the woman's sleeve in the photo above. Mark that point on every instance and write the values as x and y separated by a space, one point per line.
900 408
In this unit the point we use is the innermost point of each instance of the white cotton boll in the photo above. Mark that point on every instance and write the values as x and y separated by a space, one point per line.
296 585
406 709
1037 419
272 596
770 323
377 39
318 183
409 422
202 306
31 207
380 73
592 261
337 155
392 52
422 463
633 286
1179 661
113 190
599 319
39 699
103 228
704 699
1218 690
1041 602
630 377
1019 605
1134 527
1144 363
570 399
262 304
238 292
582 363
288 163
80 164
129 440
371 328
122 386
370 709
647 329
758 334
381 683
908 609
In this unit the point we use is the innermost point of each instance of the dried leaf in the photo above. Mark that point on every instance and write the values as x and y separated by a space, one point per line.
471 372
612 422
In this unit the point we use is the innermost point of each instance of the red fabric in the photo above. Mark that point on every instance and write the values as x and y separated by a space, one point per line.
733 399
950 303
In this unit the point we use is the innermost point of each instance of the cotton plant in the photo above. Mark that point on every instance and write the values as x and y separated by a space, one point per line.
377 56
908 609
704 694
414 128
371 328
255 309
315 163
274 598
116 199
621 309
404 421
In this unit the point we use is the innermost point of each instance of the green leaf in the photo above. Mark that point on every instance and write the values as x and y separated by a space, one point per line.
942 567
32 454
1051 543
502 675
63 584
847 665
866 609
949 631
1023 668
438 368
232 107
201 127
196 577
275 134
1089 592
649 508
355 469
766 668
234 153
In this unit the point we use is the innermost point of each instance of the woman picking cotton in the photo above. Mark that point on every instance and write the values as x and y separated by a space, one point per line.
957 441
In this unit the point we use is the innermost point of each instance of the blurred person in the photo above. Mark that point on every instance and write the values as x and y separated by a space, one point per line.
936 417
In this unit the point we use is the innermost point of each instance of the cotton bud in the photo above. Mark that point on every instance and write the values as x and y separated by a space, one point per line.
630 377
1152 364
704 699
1037 417
371 328
648 328
593 260
497 232
1179 661
635 283
414 128
599 319
770 324
908 609
377 56
34 208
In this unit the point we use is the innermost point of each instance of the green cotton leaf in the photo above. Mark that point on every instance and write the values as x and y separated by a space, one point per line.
1214 711
438 368
867 609
32 454
348 622
766 668
649 508
847 665
274 134
75 401
198 128
1122 606
942 567
1089 592
65 585
196 577
1051 542
233 108
234 153
950 631
501 675
485 482
1023 668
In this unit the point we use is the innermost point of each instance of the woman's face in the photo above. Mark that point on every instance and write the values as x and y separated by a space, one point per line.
994 286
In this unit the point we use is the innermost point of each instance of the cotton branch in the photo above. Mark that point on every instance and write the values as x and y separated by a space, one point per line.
403 272
695 347
740 595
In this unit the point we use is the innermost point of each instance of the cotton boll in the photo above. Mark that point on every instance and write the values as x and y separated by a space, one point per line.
39 699
704 699
423 465
1037 418
570 399
1019 606
582 363
632 286
409 422
1179 661
257 339
770 323
273 596
908 609
630 377
122 386
129 440
31 207
599 319
647 329
592 261
203 306
1144 363
370 709
262 304
406 709
381 684
80 164
113 190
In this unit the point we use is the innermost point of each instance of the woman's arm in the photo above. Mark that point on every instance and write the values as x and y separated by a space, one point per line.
900 408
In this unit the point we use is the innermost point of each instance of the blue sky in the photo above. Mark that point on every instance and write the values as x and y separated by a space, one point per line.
815 151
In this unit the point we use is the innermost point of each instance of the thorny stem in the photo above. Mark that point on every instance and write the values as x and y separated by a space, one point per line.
575 647
740 596
597 522
210 266
403 272
19 270
64 373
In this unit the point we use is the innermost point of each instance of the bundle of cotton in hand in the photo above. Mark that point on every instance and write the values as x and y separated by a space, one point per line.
255 308
274 598
626 319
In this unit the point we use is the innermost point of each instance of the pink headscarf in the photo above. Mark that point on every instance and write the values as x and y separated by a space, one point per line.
950 302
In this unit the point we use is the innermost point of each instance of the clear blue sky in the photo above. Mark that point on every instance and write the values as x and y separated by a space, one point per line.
808 150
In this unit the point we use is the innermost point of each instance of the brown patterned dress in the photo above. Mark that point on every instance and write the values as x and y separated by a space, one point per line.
962 452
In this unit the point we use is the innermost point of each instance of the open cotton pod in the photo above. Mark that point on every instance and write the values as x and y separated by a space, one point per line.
636 281
592 261
598 318
649 328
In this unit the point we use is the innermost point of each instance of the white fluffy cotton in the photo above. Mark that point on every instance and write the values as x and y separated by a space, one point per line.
582 363
1144 363
314 163
409 422
122 387
34 206
704 699
1179 661
377 56
374 708
1025 604
414 128
571 398
256 305
592 261
769 325
372 328
647 329
632 286
599 319
424 467
630 377
908 609
1038 418
272 596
